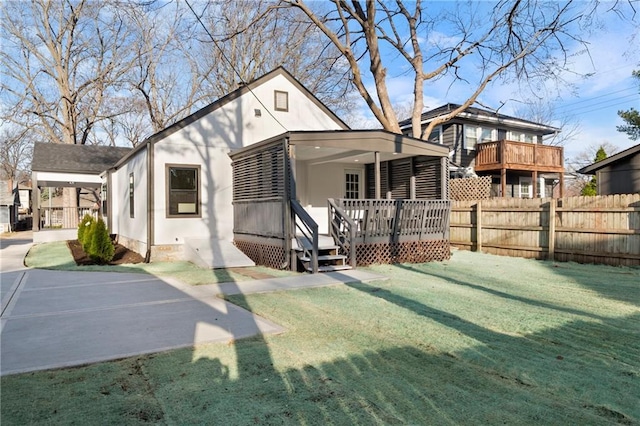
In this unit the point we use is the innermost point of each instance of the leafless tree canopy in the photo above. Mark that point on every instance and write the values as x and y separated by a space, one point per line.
476 43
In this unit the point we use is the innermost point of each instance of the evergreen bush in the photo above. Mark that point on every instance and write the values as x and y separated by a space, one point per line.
84 231
101 248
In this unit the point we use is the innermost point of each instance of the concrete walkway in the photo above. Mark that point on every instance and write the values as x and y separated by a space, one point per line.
53 319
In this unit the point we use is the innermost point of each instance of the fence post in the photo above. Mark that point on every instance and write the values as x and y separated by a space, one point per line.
552 229
479 227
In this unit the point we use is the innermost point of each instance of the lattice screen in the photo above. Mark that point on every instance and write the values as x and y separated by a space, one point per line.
272 256
470 188
406 252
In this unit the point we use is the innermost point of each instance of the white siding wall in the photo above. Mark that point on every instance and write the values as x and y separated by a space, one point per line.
208 141
323 181
134 229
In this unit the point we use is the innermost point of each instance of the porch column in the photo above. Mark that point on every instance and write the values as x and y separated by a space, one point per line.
503 182
35 203
561 184
376 172
534 178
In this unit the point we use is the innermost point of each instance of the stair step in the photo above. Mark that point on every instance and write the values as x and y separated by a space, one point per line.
324 257
330 268
320 248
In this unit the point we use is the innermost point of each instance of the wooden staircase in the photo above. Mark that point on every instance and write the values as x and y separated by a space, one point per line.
328 257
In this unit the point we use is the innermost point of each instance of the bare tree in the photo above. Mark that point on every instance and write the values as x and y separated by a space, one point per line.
543 111
250 38
475 43
61 62
16 147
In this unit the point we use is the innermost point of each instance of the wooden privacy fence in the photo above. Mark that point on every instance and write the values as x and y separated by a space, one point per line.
603 229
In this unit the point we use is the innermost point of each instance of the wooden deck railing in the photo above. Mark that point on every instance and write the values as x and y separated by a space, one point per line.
343 230
306 233
518 156
397 220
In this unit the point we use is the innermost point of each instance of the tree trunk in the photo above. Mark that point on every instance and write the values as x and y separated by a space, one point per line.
69 208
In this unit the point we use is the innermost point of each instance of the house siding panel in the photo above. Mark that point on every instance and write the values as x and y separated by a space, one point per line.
622 177
132 230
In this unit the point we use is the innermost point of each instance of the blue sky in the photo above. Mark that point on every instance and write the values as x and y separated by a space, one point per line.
596 85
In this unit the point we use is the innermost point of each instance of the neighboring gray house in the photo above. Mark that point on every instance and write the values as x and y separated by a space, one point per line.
8 206
618 174
508 149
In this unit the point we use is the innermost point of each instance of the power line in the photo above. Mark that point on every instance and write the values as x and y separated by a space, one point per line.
596 97
607 104
237 73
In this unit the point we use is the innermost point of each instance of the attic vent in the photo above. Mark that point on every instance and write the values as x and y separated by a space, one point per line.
281 100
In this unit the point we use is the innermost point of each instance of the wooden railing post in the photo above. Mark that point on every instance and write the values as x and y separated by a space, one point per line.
479 227
552 230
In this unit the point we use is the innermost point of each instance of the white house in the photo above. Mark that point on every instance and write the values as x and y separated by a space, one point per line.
177 184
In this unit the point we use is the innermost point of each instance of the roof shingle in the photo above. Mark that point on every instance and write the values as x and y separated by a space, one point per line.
56 157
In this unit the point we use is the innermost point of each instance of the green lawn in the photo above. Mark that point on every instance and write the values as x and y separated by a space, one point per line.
479 339
57 256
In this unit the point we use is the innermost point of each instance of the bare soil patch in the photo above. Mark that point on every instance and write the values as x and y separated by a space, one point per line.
122 255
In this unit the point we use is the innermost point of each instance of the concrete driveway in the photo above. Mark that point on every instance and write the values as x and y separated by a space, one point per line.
58 319
53 319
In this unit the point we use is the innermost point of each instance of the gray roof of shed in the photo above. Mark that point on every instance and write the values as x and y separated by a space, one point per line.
591 169
92 159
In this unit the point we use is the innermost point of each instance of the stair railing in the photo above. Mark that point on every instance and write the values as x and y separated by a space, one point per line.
305 226
343 230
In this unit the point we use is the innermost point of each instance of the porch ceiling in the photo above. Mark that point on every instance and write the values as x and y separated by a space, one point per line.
359 146
321 155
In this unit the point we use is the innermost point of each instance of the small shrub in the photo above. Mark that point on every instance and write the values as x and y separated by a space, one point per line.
101 248
84 230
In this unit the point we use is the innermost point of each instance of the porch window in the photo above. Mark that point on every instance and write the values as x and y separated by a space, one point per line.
352 184
183 191
281 100
131 199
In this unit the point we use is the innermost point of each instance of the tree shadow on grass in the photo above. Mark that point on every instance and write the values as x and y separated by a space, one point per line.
498 379
494 292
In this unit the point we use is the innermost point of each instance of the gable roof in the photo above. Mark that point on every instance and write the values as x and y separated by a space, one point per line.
243 89
621 156
479 114
69 158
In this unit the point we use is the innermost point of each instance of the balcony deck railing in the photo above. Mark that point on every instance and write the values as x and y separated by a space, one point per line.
518 156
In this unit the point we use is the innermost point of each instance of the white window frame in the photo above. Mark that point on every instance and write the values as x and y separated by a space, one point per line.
518 136
541 187
527 181
493 135
360 182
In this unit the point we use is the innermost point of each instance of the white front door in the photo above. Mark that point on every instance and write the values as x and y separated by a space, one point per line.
353 184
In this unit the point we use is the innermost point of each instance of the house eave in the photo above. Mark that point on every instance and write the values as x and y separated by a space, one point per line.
593 168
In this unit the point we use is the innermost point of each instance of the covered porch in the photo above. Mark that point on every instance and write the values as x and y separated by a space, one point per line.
377 197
